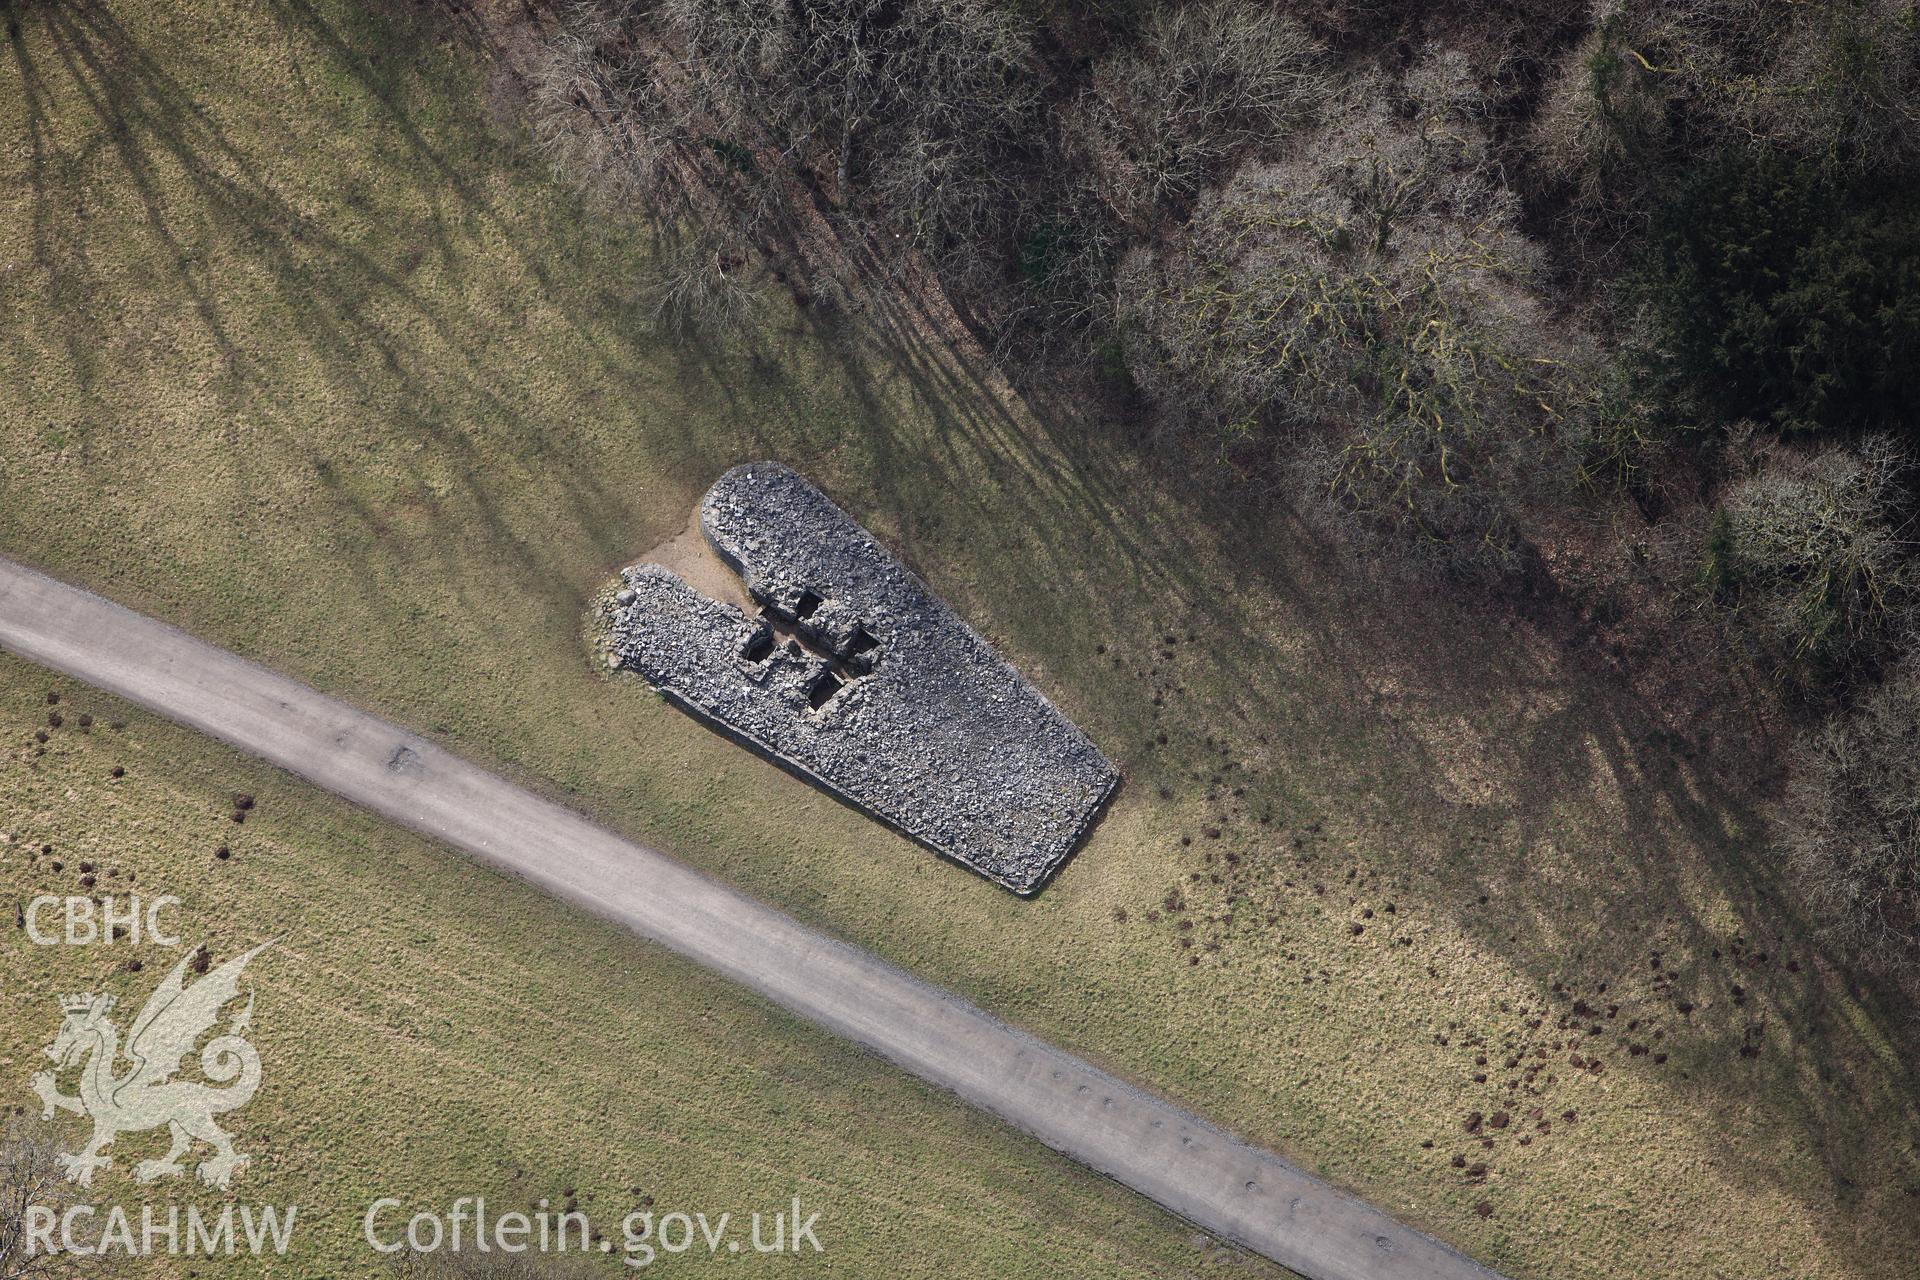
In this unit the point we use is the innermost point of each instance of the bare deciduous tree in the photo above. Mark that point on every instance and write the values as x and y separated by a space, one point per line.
918 107
1206 82
31 1182
700 283
1837 82
1811 553
598 109
1852 829
1367 308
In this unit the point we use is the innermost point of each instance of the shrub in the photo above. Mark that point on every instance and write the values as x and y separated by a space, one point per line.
1810 554
1852 825
1064 253
1784 293
1364 311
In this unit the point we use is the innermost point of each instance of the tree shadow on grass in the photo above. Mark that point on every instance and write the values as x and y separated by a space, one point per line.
1645 801
249 235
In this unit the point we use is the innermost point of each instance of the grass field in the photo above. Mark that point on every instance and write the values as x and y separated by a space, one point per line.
303 352
428 1029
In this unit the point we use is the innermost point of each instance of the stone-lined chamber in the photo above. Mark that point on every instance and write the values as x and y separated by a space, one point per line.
855 676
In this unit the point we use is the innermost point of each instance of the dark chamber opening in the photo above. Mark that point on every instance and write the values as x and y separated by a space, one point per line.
822 690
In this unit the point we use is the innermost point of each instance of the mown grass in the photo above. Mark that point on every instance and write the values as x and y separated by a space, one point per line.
306 355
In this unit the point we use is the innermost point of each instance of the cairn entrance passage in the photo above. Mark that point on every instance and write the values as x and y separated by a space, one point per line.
850 661
846 669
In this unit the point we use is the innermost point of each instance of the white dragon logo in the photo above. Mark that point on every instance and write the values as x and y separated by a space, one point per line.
145 1095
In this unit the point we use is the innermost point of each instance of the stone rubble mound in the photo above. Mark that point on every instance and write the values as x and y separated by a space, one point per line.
855 676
